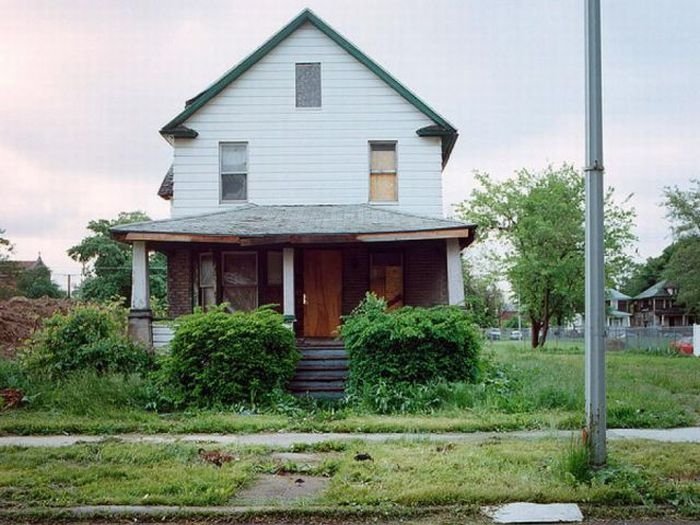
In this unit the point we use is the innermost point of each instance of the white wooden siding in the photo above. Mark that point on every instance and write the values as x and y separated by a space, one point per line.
163 333
307 155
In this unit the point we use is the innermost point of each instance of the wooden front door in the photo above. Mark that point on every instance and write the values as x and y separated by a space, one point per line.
323 286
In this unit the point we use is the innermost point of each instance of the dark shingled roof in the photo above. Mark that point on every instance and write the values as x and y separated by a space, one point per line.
251 220
166 187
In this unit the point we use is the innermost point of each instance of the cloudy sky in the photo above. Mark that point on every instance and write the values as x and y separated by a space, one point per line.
85 86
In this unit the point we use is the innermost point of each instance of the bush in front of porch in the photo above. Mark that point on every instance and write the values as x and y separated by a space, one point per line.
396 357
220 358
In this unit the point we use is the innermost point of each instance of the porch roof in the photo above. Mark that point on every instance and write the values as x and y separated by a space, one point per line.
249 223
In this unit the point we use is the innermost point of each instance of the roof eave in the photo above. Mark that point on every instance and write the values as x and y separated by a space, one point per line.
449 136
179 132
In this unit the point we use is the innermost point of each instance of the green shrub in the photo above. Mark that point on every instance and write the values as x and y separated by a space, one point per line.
221 358
89 337
391 352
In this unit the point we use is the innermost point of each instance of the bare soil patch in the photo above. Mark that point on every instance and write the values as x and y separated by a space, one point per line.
21 317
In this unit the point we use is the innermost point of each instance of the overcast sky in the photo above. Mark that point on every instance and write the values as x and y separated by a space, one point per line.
85 86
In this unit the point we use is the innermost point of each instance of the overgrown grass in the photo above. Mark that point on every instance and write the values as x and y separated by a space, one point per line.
519 389
413 474
117 474
504 470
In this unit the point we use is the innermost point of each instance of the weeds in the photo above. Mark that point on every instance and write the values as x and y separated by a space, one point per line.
574 464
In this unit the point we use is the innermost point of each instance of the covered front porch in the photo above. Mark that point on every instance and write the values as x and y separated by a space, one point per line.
315 263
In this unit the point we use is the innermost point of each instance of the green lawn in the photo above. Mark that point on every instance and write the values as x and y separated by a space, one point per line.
521 389
401 473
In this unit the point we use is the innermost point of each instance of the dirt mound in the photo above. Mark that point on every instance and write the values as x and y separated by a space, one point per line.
20 317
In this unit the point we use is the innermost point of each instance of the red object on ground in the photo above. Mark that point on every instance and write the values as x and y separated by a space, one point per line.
684 345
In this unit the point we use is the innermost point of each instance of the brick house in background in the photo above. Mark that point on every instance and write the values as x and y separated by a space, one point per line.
305 176
657 306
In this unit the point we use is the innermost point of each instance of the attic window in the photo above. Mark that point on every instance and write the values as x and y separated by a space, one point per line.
308 85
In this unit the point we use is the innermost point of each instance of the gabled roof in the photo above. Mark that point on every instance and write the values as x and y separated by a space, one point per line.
617 295
443 128
657 290
354 222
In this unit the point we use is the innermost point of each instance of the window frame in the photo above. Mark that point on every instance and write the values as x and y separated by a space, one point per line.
222 145
394 143
200 287
257 274
320 87
373 255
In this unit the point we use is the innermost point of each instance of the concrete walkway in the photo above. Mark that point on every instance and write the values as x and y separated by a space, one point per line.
287 439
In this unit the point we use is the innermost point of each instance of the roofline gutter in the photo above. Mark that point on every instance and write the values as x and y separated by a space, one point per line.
466 232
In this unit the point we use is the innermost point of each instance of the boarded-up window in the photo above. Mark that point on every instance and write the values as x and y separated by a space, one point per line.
239 276
207 280
234 171
386 277
308 85
383 185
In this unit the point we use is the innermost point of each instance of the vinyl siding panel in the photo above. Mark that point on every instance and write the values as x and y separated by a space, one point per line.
307 155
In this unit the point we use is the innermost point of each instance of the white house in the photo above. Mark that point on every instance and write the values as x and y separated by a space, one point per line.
305 176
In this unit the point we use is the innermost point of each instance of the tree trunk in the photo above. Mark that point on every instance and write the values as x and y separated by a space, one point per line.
535 332
545 330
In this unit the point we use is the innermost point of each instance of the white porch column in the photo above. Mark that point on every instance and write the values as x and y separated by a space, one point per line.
288 285
140 292
455 279
140 316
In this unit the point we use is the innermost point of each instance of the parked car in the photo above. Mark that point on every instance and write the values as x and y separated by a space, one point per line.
516 335
494 334
684 345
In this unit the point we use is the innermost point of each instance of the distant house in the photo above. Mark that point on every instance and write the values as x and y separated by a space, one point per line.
11 270
617 308
305 176
657 306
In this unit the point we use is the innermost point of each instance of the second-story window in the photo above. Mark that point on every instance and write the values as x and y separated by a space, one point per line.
308 85
234 171
383 184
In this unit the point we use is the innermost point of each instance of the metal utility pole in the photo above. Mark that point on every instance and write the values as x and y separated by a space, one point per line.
595 260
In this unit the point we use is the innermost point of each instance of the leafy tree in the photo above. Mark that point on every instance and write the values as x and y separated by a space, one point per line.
539 217
482 297
8 270
36 282
683 267
645 275
107 263
5 246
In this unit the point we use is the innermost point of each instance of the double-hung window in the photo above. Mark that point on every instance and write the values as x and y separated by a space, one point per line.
383 183
233 167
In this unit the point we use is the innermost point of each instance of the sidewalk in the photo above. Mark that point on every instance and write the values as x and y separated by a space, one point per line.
287 439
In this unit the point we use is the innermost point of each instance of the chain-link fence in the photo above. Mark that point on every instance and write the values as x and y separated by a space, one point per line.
617 338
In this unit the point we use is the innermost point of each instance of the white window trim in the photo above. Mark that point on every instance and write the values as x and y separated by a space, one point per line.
222 173
395 143
257 271
320 73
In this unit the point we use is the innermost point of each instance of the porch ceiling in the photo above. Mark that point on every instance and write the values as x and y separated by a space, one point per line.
253 224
